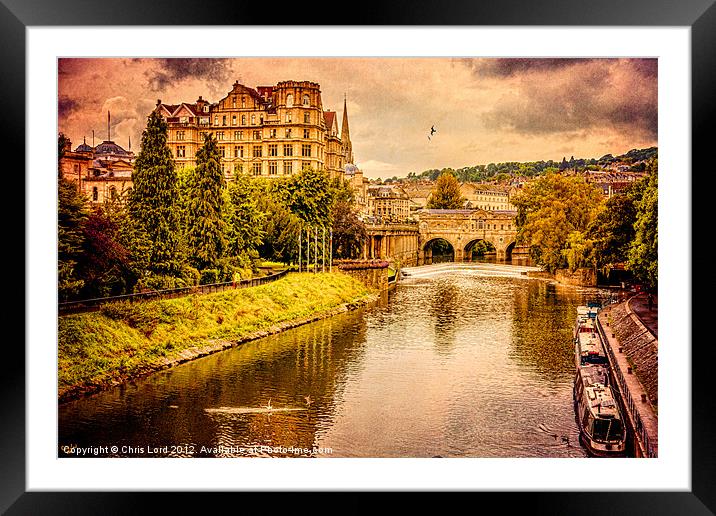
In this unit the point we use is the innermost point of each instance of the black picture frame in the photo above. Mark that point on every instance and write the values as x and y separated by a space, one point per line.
699 15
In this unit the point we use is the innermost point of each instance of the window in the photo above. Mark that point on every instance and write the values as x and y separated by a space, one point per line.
289 100
306 100
239 168
216 120
184 119
257 169
112 192
257 151
222 151
272 133
289 117
206 109
233 101
243 102
273 150
233 117
253 119
287 168
273 168
305 164
95 193
238 151
306 150
220 135
181 151
288 150
223 120
257 135
288 132
306 117
180 135
306 134
238 135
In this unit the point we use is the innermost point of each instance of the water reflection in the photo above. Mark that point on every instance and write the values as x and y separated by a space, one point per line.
457 364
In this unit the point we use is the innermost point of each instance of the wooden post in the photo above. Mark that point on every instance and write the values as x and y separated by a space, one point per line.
323 250
299 249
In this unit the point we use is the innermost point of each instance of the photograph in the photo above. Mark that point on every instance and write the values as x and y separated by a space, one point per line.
358 257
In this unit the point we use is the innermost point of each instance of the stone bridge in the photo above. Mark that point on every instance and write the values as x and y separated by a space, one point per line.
411 243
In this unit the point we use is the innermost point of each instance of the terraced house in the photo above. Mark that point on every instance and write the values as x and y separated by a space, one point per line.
269 131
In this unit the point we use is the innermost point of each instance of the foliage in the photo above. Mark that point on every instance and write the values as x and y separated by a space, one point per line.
550 209
309 195
281 228
244 219
446 195
71 215
104 263
643 253
205 231
154 203
349 233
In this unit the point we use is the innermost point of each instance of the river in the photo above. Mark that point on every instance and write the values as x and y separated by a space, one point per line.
456 361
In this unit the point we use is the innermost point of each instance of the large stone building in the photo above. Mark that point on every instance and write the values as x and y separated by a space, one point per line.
388 204
269 131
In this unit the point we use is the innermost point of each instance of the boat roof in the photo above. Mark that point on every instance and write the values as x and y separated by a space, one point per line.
589 343
593 374
601 401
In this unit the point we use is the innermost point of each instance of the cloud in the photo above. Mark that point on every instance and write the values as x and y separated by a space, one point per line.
578 98
170 71
508 67
66 106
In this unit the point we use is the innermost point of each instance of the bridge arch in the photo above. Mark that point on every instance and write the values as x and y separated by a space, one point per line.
478 247
439 249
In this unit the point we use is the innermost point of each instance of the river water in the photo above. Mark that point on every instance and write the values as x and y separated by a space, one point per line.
457 361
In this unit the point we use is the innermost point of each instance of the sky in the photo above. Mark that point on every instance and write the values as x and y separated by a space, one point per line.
485 110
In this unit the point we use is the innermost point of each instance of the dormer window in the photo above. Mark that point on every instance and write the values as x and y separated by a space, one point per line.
206 109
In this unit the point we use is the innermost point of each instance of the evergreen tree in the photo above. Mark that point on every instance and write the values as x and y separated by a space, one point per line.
205 229
446 195
154 205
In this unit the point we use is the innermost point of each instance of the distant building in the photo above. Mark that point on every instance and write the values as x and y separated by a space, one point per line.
270 131
103 172
388 203
487 196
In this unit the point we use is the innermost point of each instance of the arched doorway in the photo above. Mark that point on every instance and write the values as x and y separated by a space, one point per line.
438 250
479 250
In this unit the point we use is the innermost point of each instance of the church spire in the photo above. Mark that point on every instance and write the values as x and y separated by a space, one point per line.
345 134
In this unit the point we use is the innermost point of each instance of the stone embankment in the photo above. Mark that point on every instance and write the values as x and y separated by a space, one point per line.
633 352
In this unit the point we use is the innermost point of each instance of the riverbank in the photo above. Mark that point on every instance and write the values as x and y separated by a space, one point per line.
124 341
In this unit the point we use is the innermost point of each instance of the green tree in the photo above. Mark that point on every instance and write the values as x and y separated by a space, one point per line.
154 207
72 213
550 209
446 195
281 229
245 220
643 252
205 241
349 233
310 196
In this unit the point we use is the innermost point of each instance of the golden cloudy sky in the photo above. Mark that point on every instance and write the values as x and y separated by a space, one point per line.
485 110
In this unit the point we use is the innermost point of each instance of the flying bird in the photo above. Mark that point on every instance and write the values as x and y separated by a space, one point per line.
432 132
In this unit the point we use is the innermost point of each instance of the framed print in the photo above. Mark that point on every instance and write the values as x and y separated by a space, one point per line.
179 337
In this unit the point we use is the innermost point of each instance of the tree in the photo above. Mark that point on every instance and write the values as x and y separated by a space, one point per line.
71 215
104 263
205 227
310 196
550 209
349 232
643 252
245 220
154 206
280 230
446 195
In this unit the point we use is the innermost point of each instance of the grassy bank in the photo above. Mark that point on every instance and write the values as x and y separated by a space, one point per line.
125 340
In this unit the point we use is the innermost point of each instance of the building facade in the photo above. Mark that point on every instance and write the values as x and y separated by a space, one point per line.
270 131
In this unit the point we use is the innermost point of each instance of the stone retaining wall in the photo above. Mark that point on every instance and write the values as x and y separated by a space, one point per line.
640 347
